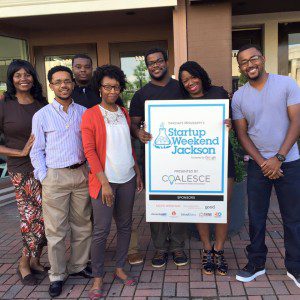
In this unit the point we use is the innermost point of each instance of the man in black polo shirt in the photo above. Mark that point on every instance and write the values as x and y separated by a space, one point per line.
166 236
83 94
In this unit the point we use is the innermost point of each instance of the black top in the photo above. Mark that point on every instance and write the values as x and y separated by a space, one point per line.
151 91
15 124
217 92
85 96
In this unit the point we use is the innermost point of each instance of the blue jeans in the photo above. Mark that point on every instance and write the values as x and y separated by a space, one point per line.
288 193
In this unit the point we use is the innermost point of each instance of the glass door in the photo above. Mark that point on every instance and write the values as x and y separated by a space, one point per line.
50 56
130 58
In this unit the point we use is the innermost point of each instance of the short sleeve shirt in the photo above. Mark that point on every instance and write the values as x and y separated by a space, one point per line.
266 113
150 91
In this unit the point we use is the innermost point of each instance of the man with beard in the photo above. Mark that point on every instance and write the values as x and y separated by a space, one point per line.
59 164
166 236
266 114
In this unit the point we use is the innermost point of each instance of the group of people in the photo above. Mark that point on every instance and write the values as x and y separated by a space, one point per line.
72 164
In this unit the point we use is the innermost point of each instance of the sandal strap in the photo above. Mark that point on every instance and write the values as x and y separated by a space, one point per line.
221 263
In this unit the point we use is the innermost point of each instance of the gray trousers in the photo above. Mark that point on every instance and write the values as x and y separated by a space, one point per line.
121 210
168 236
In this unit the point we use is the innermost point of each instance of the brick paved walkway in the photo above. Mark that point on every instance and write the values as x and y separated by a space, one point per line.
170 282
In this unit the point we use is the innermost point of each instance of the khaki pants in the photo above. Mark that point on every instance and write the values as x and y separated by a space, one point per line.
133 246
67 206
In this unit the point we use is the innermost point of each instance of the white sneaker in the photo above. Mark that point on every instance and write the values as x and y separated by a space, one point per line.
296 278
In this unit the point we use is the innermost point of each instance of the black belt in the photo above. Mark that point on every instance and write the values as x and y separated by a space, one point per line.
76 166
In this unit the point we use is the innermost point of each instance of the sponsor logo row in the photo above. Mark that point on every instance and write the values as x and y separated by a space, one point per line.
175 214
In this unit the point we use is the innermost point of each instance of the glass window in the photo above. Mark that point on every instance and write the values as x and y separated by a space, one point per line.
240 37
56 60
10 48
136 73
294 56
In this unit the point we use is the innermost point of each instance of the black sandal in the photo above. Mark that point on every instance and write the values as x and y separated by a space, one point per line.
208 264
221 264
28 279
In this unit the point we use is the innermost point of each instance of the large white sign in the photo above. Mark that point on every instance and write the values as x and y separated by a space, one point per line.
186 161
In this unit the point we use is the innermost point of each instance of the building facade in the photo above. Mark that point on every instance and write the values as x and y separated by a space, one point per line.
49 32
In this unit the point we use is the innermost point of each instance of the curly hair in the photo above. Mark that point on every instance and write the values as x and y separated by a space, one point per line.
110 71
36 90
197 71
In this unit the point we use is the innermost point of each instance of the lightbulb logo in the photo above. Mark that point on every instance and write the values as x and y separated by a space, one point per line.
168 178
162 141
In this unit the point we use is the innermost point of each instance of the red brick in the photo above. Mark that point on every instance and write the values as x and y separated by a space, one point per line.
176 279
128 291
76 291
279 287
202 285
183 289
148 293
257 284
25 292
237 288
223 289
259 291
203 292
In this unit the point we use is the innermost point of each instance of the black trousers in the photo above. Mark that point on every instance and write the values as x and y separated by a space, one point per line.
288 193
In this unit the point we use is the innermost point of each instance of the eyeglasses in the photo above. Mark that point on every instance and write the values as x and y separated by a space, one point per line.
254 59
158 62
109 87
60 82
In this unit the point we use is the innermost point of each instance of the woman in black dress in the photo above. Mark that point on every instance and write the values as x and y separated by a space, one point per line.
196 84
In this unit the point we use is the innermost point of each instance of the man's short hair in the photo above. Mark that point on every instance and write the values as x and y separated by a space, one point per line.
81 55
156 50
249 46
59 69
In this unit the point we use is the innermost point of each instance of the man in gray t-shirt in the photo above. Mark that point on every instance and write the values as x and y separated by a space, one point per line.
266 114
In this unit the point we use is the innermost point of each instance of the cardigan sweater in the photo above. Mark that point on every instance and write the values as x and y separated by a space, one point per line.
93 132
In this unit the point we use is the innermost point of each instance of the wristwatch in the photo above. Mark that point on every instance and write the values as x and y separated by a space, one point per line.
280 157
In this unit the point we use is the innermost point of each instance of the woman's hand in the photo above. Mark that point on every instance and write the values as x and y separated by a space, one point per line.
28 146
107 195
139 183
228 123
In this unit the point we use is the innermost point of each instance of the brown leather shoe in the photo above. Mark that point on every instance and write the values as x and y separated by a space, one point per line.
135 259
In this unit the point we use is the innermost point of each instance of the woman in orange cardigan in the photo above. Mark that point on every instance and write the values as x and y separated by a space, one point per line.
114 174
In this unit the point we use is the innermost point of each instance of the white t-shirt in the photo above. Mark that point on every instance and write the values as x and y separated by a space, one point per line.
119 160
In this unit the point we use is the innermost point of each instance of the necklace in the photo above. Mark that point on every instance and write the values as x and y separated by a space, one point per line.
110 117
67 122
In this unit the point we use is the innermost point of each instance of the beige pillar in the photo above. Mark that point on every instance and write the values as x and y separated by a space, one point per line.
209 40
180 35
103 52
271 46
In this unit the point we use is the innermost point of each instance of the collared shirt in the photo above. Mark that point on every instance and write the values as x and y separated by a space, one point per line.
58 142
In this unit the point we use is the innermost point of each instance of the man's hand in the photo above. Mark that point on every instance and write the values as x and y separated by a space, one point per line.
143 135
271 168
107 195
